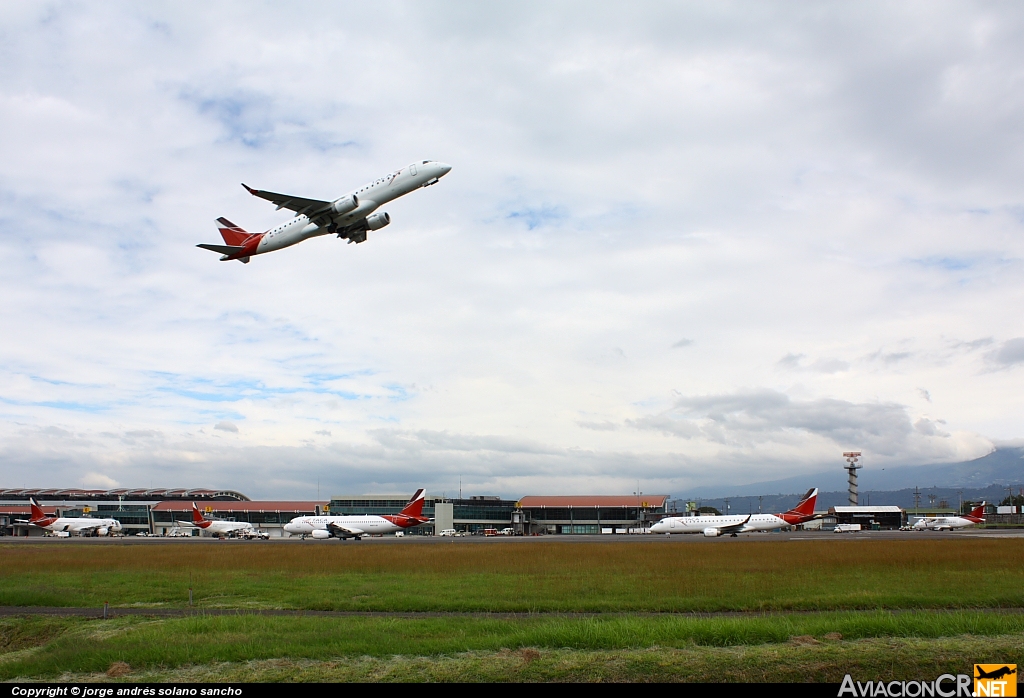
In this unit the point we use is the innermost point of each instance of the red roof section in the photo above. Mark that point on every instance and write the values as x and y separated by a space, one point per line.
613 500
25 510
241 506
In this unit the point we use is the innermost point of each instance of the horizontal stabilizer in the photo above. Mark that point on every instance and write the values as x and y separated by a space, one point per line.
223 249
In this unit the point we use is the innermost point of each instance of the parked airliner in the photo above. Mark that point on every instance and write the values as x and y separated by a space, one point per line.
321 527
948 523
712 526
79 526
351 216
217 528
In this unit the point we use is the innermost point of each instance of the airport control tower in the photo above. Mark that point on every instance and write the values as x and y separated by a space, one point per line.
851 467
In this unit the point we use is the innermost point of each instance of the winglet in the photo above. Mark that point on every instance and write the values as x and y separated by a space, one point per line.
249 189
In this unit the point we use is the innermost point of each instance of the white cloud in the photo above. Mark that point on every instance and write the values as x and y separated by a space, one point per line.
98 481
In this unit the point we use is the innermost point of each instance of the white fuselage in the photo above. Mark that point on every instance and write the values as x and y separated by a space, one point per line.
354 525
943 523
698 524
77 526
371 197
219 528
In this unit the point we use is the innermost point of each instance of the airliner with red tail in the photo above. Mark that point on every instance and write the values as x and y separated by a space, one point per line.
79 526
713 526
218 528
351 217
948 523
323 527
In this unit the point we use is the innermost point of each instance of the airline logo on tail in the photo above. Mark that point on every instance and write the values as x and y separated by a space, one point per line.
977 515
804 511
197 518
412 514
39 517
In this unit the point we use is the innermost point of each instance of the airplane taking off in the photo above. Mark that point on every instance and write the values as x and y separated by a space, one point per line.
322 527
217 528
713 526
351 216
948 523
81 526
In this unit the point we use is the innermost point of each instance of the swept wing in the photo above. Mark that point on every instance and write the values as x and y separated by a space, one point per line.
733 528
344 531
309 207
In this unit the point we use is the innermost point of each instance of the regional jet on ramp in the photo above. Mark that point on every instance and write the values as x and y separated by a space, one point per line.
948 523
351 216
66 526
712 526
343 527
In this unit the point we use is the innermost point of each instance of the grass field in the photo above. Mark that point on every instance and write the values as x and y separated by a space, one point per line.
970 579
535 577
822 646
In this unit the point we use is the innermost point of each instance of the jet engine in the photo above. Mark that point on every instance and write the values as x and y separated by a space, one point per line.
321 534
377 221
101 531
712 532
345 204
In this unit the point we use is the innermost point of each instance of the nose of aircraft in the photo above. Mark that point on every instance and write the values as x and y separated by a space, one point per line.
445 168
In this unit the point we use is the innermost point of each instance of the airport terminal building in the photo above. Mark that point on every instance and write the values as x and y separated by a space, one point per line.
156 511
132 507
530 515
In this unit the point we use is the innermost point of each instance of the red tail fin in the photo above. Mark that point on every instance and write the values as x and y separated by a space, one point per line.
803 511
415 505
977 514
37 511
232 234
806 505
197 518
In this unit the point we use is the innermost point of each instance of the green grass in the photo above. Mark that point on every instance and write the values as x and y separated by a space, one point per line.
523 577
886 660
616 581
545 648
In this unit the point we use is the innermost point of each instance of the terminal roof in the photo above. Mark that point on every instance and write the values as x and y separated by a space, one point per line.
614 500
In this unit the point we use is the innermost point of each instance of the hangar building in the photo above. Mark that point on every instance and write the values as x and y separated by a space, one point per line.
870 517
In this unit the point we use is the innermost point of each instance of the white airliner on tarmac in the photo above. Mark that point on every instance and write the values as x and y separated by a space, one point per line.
712 526
351 216
217 528
948 523
322 527
80 526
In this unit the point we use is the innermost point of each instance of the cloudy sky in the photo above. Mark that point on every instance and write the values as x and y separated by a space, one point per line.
682 244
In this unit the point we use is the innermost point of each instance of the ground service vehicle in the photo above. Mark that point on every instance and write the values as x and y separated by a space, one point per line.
846 528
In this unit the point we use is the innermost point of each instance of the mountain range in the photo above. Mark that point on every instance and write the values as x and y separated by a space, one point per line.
986 478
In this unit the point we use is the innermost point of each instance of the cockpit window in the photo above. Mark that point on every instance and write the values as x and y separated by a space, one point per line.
426 162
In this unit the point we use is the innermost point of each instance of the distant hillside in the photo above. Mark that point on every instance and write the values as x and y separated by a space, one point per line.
983 478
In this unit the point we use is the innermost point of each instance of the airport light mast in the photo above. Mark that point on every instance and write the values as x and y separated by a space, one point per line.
851 467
